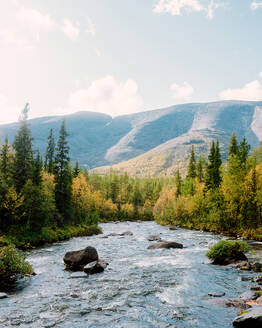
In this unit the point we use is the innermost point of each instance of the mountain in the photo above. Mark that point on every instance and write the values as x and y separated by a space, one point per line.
149 142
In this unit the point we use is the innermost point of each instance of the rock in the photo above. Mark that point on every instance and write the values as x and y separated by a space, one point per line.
245 278
172 228
249 295
239 256
238 304
165 244
76 275
95 267
256 267
76 260
259 300
258 280
216 294
256 288
154 238
3 295
252 318
238 264
127 233
74 295
113 234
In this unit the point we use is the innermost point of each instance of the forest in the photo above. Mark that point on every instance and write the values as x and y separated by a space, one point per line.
46 198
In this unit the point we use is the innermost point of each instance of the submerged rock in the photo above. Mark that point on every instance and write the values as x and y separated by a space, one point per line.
114 234
217 294
172 228
252 318
249 295
154 238
3 295
165 244
76 260
95 267
238 304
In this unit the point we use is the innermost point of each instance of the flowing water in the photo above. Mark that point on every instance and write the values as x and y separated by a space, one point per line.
140 287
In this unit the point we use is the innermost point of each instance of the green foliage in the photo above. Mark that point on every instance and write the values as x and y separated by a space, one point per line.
13 264
226 250
191 171
50 153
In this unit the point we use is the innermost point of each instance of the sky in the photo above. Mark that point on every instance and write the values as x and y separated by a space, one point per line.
123 56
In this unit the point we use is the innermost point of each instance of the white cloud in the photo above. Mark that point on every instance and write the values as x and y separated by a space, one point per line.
14 38
70 29
91 27
260 74
182 91
256 5
35 19
98 52
109 96
178 7
251 91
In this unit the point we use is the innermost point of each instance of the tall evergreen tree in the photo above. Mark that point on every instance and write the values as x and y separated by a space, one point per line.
50 153
37 169
200 169
233 146
63 176
213 175
191 173
178 183
76 170
243 150
5 161
23 156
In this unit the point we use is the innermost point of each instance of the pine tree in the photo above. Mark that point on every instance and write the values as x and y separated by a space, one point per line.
178 183
23 156
200 169
37 169
233 146
76 170
191 173
213 175
5 161
63 176
50 153
243 150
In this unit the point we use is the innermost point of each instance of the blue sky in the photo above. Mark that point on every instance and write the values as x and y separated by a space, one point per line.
125 56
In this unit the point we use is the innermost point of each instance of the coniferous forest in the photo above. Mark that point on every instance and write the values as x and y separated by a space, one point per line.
46 198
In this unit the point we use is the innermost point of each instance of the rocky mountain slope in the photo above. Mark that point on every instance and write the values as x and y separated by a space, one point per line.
150 142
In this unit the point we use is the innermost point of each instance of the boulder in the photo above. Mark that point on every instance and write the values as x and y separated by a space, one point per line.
165 244
76 260
3 295
258 280
95 267
217 294
256 267
249 295
113 234
154 238
252 318
172 228
259 300
238 304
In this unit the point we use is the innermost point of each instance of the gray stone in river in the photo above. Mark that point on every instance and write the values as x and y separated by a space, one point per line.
154 238
76 275
217 294
76 260
237 303
165 244
95 267
3 295
252 319
249 295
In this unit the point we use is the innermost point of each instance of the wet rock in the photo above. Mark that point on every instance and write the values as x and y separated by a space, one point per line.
238 264
258 280
249 295
3 295
172 228
255 288
74 295
95 267
76 260
235 259
238 304
252 318
256 267
154 238
217 294
245 278
113 234
76 275
165 244
259 300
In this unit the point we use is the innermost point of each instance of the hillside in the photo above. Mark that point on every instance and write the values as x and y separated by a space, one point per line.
151 142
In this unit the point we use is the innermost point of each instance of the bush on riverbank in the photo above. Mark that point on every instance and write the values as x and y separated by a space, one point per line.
13 264
226 251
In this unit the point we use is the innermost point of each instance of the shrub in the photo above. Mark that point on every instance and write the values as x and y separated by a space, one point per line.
13 264
227 251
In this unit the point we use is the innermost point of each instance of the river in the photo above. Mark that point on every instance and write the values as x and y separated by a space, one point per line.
140 287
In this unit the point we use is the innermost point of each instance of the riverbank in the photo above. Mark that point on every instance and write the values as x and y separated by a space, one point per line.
24 239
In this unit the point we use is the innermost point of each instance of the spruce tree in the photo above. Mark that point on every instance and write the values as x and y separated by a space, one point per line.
76 170
5 161
191 173
213 175
23 153
200 169
63 176
178 183
243 151
37 169
50 153
233 146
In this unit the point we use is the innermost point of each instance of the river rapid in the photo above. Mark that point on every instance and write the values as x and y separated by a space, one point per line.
140 287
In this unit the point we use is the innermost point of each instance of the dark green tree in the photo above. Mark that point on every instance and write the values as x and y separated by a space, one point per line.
178 183
63 176
5 162
233 146
50 153
243 151
23 153
76 170
200 169
213 175
191 172
37 169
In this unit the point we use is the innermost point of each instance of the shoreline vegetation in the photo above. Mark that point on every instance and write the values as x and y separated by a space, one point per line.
45 200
